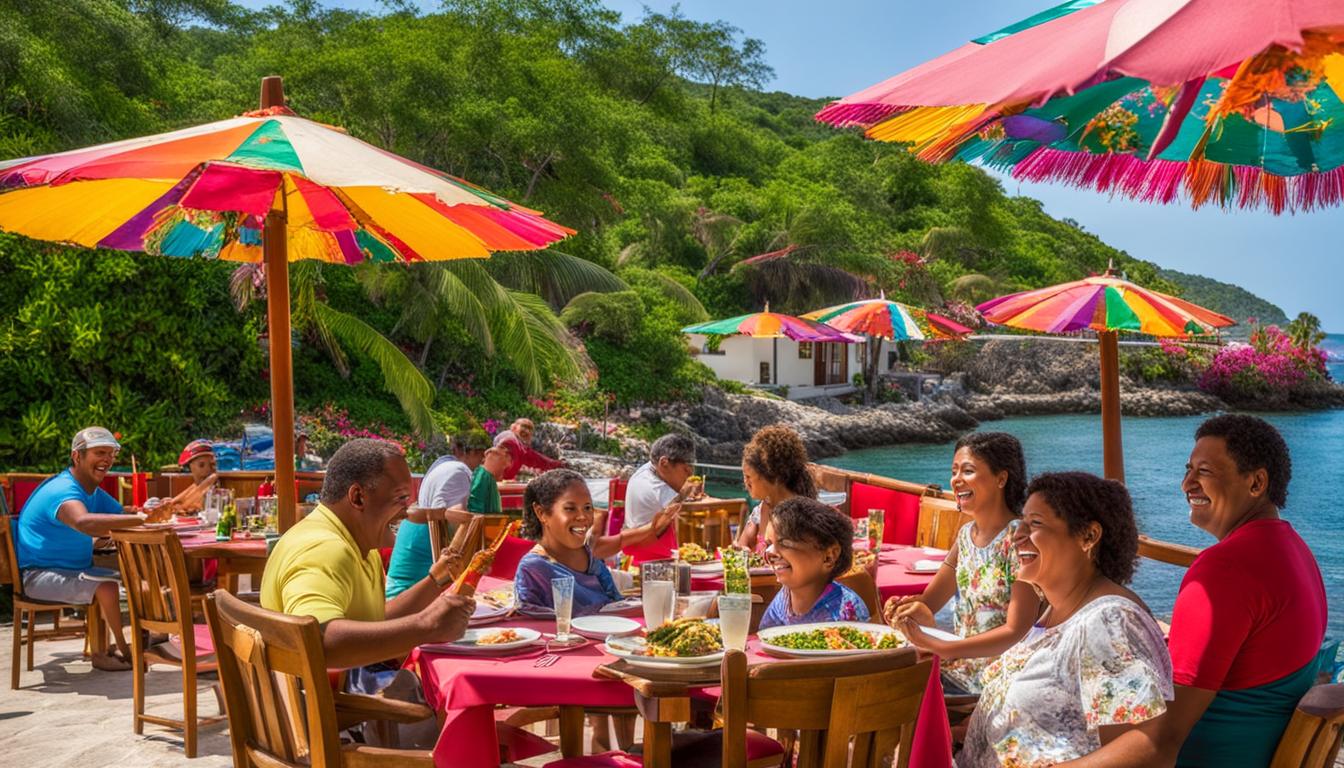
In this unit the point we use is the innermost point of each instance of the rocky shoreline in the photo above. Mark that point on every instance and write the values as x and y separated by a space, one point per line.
1004 379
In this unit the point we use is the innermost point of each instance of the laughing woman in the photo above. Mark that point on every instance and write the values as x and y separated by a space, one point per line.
1095 665
557 513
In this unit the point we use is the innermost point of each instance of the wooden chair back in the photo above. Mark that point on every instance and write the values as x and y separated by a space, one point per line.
872 700
9 558
1313 735
276 691
709 523
865 586
939 521
491 527
154 575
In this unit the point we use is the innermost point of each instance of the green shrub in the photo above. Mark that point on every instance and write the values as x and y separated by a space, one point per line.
614 317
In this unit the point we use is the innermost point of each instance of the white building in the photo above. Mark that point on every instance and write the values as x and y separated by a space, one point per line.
808 369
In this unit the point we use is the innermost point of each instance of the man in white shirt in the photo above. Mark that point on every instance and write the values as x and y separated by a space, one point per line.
663 481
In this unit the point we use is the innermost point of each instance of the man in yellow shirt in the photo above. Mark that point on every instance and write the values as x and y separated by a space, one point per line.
327 566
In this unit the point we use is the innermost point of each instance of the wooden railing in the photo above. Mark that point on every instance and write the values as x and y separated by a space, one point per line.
836 479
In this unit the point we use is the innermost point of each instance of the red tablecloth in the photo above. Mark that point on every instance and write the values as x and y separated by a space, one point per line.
467 688
892 576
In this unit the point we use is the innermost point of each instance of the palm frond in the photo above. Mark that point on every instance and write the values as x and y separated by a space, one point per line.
400 376
534 341
551 274
683 298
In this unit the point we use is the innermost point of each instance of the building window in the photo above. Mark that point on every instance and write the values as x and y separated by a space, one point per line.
804 350
765 373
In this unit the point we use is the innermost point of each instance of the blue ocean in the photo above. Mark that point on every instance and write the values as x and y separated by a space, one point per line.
1156 450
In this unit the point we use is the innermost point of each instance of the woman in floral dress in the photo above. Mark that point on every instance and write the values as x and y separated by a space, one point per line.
1095 663
993 610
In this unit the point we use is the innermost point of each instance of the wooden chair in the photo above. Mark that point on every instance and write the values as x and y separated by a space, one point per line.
872 700
865 586
282 709
158 592
709 523
1313 735
939 521
466 538
25 608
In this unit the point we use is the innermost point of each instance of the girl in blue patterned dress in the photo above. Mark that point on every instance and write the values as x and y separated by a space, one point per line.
809 545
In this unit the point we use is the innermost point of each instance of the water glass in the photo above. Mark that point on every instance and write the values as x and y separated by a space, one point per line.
876 527
659 590
562 593
734 620
860 530
736 571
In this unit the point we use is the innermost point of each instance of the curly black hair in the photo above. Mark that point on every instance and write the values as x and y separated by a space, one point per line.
1003 453
804 519
1079 499
545 489
1254 444
778 455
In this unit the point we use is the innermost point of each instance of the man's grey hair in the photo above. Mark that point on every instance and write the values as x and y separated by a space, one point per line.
359 462
673 447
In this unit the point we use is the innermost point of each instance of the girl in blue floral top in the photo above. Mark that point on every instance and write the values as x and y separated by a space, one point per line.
557 513
993 609
810 544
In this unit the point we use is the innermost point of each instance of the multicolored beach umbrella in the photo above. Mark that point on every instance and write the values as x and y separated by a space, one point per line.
878 317
205 191
771 325
1227 101
1102 303
1106 304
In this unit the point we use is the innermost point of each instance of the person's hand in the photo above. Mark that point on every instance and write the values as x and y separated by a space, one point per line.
445 618
446 568
693 488
893 605
917 611
666 516
915 635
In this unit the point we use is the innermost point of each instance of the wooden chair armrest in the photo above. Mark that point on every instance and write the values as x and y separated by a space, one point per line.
363 707
365 756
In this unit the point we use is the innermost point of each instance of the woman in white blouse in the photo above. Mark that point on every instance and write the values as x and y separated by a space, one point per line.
1095 664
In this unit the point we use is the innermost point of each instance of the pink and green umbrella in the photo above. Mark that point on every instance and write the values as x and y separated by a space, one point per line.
1106 304
771 325
880 318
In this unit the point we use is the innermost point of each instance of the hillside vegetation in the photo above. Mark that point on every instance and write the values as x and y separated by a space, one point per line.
652 139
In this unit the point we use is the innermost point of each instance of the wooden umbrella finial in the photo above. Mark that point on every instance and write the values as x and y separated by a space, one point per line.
272 91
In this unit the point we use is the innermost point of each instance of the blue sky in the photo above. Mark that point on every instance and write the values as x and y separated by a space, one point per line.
835 47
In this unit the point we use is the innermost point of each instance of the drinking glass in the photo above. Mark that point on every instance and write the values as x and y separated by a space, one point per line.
659 593
562 593
734 620
861 530
876 526
736 571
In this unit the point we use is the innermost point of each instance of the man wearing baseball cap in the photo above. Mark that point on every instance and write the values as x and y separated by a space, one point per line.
198 458
55 533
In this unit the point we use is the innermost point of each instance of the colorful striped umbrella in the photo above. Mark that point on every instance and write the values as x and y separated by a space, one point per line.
771 325
1106 304
946 328
1228 101
878 317
271 186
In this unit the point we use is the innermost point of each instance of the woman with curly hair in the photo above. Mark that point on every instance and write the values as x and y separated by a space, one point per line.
1096 661
774 470
994 609
557 513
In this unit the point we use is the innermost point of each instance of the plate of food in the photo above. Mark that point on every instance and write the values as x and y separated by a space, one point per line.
694 554
831 638
488 640
493 604
601 627
680 643
924 566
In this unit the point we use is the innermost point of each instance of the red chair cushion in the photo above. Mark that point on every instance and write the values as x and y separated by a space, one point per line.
615 519
689 750
508 556
902 511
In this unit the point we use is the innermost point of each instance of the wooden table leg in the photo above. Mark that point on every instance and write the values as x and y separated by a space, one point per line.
571 730
659 714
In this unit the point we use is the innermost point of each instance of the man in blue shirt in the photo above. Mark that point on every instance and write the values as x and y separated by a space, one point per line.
56 529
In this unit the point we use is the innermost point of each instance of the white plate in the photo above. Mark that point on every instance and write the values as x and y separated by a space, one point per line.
602 627
766 635
629 605
627 648
487 610
468 644
925 566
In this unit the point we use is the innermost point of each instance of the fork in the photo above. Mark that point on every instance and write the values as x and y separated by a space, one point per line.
546 660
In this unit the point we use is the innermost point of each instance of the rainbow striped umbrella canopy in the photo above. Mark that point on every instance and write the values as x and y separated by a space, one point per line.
205 191
879 317
770 325
1102 303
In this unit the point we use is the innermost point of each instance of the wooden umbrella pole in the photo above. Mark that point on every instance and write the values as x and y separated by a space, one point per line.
277 320
1113 457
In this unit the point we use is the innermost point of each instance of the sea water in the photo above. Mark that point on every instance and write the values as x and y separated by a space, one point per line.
1156 450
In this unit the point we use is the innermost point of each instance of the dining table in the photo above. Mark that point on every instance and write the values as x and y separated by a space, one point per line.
236 556
465 689
896 573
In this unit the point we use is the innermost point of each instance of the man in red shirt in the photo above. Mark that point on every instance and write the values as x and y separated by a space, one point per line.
517 440
1249 618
